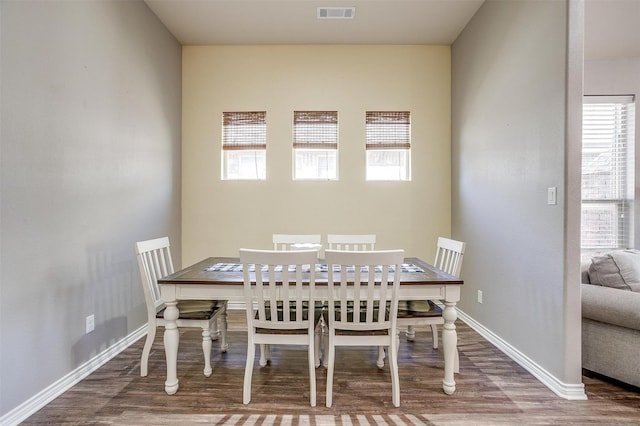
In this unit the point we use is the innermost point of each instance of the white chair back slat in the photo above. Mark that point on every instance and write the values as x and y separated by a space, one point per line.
168 261
384 284
153 275
351 242
259 292
156 261
449 256
289 241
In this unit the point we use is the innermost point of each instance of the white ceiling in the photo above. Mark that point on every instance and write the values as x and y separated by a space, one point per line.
612 27
199 22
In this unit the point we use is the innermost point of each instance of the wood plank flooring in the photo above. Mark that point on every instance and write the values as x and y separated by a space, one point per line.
491 389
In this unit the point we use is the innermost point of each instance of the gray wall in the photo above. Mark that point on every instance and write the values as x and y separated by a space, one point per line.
512 130
90 163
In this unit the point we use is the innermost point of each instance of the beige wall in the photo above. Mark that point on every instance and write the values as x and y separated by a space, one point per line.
219 217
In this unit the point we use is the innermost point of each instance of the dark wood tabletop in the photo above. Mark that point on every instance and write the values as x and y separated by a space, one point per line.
198 274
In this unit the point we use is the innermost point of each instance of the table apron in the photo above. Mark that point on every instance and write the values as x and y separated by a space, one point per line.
234 293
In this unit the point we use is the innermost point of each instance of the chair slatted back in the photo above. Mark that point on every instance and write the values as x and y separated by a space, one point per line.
352 242
280 285
154 262
449 256
360 285
285 241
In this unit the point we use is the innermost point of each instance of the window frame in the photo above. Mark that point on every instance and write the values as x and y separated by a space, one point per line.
244 136
315 140
608 146
388 140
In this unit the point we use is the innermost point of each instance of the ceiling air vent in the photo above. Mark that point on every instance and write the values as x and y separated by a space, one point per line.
336 12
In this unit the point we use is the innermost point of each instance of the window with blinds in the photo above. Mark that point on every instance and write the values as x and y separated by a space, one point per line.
608 135
244 145
388 145
315 145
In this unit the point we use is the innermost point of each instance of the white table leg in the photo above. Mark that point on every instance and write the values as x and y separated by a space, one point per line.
171 342
449 343
410 333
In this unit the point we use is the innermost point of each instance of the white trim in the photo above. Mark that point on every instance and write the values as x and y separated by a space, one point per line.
570 391
607 99
236 306
42 398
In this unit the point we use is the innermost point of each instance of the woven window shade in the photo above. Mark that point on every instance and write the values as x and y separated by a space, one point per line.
388 130
315 129
244 130
607 171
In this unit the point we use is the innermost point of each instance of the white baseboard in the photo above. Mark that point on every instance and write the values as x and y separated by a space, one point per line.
35 403
236 306
570 391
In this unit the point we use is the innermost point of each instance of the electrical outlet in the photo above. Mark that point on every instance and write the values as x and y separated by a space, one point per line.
90 323
479 296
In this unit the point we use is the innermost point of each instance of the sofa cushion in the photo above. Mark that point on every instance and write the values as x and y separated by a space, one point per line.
619 269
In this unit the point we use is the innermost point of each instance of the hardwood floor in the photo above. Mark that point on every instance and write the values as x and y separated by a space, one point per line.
491 389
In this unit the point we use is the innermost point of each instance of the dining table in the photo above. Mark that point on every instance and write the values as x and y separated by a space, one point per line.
221 278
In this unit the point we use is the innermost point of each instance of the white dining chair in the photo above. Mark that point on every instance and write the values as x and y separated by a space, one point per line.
353 242
154 262
296 242
362 306
449 256
278 305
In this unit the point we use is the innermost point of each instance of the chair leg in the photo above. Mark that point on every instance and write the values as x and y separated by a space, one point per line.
317 338
144 359
224 345
248 372
395 379
312 370
381 356
265 354
410 333
434 335
206 349
330 363
325 346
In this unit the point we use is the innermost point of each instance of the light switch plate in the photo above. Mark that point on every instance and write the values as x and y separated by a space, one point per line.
552 195
90 323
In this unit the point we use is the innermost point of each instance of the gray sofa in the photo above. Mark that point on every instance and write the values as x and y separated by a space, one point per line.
611 316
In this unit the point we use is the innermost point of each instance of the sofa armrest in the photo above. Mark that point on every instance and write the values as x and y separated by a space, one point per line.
611 306
584 271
